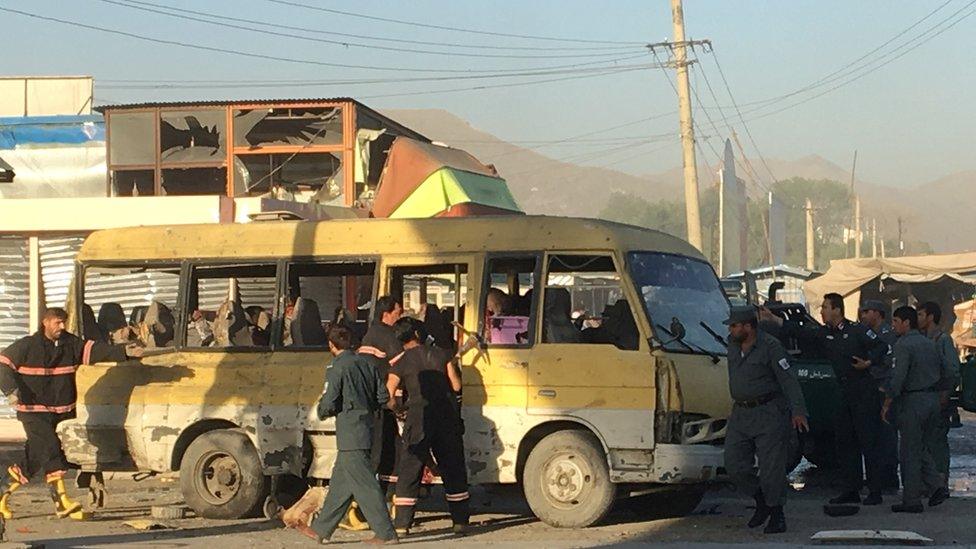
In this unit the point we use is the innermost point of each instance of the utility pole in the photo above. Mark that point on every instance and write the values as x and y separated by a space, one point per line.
692 212
857 234
874 237
857 226
811 264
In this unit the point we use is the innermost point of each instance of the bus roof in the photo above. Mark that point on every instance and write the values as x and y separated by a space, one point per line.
368 237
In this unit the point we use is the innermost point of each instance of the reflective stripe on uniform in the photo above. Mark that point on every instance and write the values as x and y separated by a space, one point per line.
405 502
86 353
8 362
396 359
44 408
457 497
367 350
42 371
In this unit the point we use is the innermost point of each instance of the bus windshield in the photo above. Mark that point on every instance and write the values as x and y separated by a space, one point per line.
680 294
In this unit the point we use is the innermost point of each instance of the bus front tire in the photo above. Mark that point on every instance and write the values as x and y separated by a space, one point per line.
566 480
221 476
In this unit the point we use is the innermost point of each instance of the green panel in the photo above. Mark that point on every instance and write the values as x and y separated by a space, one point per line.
447 187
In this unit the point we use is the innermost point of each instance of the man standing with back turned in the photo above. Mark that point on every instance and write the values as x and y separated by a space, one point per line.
354 394
767 399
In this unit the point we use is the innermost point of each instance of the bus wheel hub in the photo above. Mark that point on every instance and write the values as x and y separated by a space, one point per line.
565 480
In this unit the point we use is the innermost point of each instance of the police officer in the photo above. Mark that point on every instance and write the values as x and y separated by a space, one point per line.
380 339
38 378
852 349
913 389
767 399
432 423
874 317
355 393
929 317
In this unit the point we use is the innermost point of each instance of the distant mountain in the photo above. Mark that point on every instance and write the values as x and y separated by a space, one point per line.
941 212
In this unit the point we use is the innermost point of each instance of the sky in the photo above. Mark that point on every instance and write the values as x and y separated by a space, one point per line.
910 120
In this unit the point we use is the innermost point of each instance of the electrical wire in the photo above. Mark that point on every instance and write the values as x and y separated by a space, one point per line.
453 29
178 13
267 57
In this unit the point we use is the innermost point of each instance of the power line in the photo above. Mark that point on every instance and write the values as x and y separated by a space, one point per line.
741 118
254 55
620 48
178 14
453 29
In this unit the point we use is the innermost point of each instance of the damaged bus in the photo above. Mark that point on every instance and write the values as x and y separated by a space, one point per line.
591 369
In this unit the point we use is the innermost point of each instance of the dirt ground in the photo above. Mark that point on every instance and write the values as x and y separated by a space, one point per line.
501 518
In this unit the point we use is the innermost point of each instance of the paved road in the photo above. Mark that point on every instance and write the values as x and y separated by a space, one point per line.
502 520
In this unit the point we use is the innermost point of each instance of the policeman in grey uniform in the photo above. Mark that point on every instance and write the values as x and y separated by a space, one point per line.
873 315
767 399
929 317
913 390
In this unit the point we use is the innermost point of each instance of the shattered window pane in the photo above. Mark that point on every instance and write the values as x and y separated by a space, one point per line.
132 137
192 136
288 126
318 173
194 181
133 183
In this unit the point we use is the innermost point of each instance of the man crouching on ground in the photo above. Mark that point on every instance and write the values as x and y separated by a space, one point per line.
355 395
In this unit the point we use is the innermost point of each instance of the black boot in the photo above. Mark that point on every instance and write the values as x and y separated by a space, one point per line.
762 511
847 497
460 516
940 495
403 519
777 521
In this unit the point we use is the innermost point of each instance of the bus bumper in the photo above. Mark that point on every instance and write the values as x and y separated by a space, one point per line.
672 464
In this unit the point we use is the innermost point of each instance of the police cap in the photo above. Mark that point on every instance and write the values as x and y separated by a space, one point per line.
874 305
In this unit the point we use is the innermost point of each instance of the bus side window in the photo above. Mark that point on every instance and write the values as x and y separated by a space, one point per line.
433 294
231 306
131 304
507 301
584 303
321 295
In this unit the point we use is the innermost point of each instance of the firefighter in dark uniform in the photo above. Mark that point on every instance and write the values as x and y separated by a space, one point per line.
768 403
852 349
380 339
38 378
914 391
929 317
355 393
873 315
432 423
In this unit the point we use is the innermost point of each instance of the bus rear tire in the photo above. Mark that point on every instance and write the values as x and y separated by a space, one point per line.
221 476
566 480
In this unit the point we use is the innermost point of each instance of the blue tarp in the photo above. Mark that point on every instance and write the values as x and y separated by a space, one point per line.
50 130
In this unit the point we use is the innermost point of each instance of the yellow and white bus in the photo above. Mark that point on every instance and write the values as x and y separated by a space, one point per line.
598 377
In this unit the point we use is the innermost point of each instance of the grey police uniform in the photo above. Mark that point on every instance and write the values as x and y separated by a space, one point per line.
916 370
938 438
766 393
888 436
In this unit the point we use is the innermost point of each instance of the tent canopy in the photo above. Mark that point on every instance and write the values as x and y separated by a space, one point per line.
847 276
426 180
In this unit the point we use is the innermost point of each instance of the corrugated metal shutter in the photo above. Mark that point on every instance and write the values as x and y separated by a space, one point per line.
14 298
132 290
57 267
14 290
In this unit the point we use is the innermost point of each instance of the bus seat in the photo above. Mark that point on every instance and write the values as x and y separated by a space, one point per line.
159 325
306 324
111 317
138 314
230 327
620 326
557 317
90 325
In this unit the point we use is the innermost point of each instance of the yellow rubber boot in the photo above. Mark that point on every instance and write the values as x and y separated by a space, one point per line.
63 505
17 479
354 521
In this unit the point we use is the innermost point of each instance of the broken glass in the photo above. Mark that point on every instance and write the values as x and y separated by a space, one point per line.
303 172
288 127
133 183
192 136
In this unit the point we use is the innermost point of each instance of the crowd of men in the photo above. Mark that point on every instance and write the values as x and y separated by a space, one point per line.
895 380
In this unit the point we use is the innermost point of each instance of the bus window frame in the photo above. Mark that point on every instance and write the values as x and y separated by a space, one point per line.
276 325
277 342
535 319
